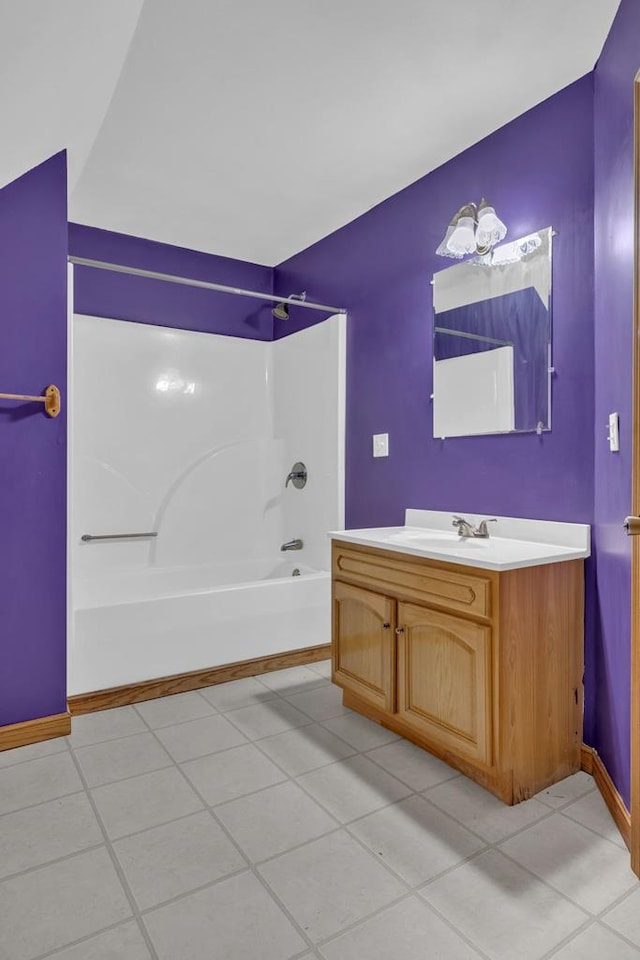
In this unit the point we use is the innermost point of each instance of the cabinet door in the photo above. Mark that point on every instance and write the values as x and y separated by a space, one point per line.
364 654
444 680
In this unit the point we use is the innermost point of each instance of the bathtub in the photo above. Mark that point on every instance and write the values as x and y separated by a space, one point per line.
150 623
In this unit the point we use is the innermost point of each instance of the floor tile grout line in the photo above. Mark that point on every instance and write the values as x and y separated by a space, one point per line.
244 732
251 866
454 774
593 830
134 776
96 743
307 687
387 743
600 919
18 762
463 936
550 886
155 826
490 843
554 951
616 903
415 888
41 803
408 895
179 723
620 935
51 863
495 848
587 922
114 859
323 941
145 911
52 954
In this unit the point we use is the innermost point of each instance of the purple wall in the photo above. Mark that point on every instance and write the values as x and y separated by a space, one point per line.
614 77
538 171
103 294
33 472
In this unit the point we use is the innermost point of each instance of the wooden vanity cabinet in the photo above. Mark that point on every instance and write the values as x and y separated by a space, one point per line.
482 669
365 657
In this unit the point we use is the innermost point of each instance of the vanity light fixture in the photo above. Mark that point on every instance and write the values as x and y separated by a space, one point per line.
476 228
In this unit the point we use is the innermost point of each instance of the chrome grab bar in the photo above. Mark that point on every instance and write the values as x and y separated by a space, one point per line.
86 537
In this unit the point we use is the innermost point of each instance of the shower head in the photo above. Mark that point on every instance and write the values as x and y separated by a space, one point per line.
281 310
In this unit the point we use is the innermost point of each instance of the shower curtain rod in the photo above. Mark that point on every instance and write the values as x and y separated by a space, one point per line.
202 284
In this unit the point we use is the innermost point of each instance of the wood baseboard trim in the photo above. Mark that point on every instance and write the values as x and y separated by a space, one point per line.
183 682
586 758
33 731
592 763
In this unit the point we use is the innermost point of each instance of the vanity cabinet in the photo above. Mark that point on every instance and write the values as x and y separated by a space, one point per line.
444 679
483 669
365 656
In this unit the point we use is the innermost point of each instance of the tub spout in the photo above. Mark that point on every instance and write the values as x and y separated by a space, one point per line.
292 545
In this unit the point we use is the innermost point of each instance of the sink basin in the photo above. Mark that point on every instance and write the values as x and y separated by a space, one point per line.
434 540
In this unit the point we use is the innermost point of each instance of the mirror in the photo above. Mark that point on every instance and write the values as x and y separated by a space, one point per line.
492 341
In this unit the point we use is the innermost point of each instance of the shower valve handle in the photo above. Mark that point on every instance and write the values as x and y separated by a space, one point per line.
298 474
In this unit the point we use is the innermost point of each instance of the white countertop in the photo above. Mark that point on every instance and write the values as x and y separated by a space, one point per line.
513 543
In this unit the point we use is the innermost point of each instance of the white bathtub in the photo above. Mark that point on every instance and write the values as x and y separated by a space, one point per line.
153 623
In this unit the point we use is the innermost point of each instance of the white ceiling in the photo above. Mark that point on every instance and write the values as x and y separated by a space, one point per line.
252 129
59 63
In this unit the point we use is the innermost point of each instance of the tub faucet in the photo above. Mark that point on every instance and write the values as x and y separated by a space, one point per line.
292 545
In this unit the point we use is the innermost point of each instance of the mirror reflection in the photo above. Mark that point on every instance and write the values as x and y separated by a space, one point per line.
492 341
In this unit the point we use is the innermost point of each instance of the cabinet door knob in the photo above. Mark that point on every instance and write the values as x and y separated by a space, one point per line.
386 626
399 630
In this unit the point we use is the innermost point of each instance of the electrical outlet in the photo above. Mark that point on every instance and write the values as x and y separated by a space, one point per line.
381 444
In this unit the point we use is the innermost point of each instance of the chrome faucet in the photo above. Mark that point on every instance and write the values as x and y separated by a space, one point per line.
298 474
482 530
466 528
292 545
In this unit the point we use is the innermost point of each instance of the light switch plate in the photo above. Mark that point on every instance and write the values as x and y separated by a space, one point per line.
614 432
381 444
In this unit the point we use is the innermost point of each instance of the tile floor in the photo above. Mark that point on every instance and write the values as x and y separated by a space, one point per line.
260 820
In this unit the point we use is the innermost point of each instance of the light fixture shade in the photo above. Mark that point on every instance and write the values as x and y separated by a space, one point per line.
491 229
463 237
443 250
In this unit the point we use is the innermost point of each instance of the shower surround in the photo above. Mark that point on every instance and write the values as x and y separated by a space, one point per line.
191 435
